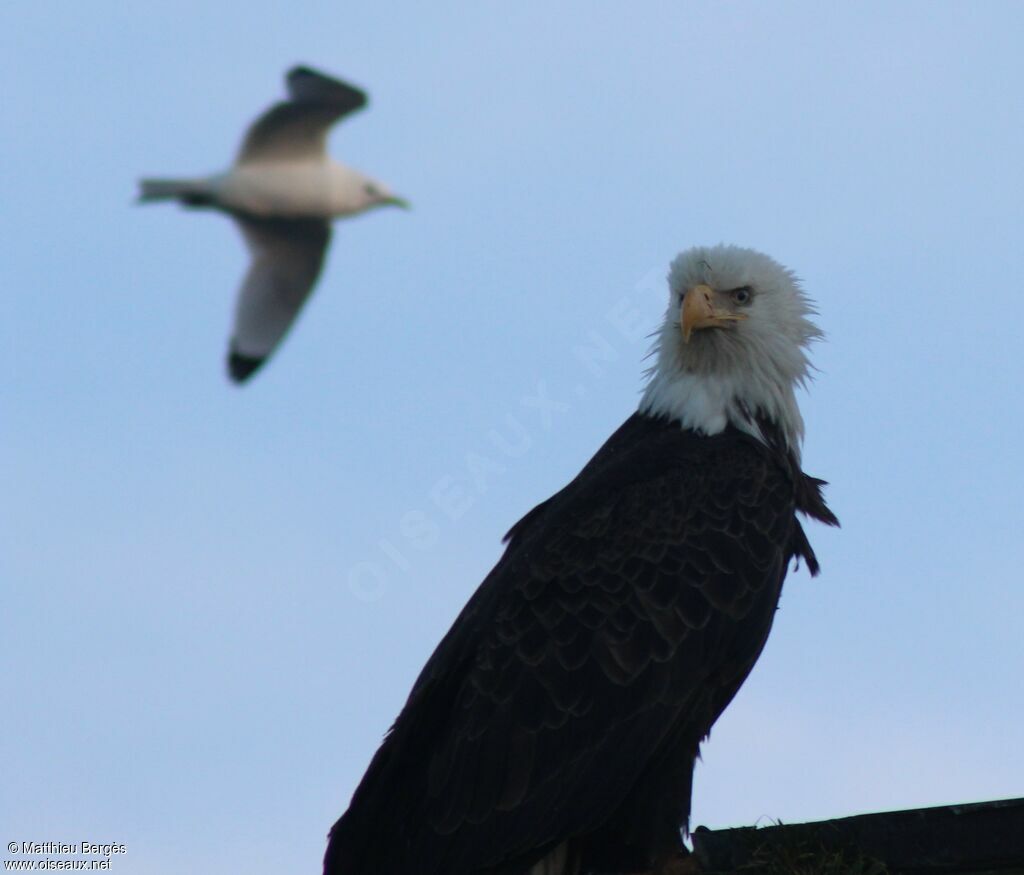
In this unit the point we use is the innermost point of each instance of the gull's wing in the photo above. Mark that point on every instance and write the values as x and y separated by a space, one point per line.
286 259
297 128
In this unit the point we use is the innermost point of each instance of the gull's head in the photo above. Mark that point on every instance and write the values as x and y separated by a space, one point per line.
375 194
733 347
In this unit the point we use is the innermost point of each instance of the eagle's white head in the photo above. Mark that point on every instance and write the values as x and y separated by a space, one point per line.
733 346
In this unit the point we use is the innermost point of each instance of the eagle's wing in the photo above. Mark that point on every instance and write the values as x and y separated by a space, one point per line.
297 128
623 617
286 259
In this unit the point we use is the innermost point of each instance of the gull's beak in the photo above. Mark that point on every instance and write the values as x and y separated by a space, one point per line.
395 201
699 312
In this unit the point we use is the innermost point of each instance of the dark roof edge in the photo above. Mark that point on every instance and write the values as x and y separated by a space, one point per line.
974 837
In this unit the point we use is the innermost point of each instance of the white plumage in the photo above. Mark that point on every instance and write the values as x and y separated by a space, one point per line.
750 366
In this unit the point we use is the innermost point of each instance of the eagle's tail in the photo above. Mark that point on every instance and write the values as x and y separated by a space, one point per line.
560 861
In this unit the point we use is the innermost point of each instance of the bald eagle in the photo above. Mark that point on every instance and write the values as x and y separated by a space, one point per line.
555 728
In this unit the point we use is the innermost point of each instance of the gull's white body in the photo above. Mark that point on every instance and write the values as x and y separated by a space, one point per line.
283 190
302 189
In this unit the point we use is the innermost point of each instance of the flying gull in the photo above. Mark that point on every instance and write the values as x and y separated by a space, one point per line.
283 190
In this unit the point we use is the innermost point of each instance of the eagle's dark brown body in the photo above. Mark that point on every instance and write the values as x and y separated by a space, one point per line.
566 704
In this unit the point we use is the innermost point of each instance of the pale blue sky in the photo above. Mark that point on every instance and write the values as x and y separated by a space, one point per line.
215 600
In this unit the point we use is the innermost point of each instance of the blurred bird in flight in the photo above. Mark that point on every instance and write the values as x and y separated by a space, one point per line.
283 190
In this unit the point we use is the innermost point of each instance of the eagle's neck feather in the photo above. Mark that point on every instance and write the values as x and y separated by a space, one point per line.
708 403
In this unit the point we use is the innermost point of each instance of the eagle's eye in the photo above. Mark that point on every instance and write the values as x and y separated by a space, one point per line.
372 191
743 295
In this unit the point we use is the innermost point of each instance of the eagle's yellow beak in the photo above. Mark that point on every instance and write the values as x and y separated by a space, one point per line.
699 312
